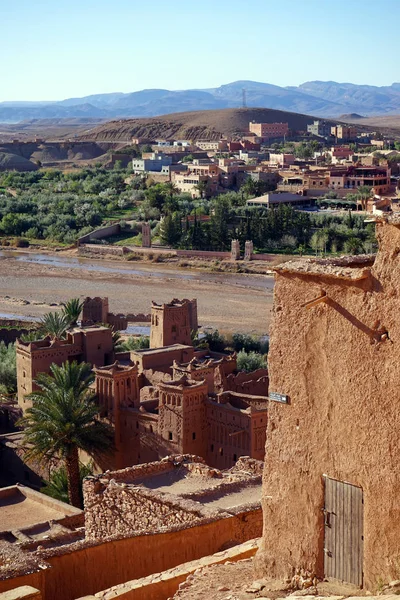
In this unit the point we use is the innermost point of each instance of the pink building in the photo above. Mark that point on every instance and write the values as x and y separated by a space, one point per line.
269 130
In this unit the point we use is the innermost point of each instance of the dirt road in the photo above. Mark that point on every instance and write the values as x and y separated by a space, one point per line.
32 284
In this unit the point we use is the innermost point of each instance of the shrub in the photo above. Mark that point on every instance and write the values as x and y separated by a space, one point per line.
250 361
21 243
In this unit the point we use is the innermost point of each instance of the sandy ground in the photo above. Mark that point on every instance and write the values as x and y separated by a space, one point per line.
32 284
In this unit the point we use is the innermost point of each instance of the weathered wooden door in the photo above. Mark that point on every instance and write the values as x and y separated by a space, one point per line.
344 539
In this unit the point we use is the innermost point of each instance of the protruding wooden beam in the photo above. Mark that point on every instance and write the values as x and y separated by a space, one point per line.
322 298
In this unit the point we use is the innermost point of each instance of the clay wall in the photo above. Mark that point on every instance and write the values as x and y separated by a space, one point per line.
87 568
337 361
248 383
94 310
163 358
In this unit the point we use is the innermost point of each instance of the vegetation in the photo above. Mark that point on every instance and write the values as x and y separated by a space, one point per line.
250 361
57 486
8 369
135 343
57 207
63 420
52 205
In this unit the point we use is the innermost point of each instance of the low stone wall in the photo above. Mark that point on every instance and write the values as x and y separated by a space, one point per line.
102 249
25 592
203 254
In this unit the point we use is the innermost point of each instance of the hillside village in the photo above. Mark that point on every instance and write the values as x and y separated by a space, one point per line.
155 461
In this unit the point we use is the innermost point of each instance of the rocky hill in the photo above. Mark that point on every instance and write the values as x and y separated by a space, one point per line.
207 124
321 98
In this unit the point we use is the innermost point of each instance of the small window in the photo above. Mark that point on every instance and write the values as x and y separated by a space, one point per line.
221 451
235 457
170 435
193 435
212 447
99 347
137 424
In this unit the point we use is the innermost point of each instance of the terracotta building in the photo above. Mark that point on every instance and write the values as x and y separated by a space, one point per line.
173 323
267 131
332 466
89 344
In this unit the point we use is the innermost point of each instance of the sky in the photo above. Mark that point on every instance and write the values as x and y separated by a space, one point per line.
57 49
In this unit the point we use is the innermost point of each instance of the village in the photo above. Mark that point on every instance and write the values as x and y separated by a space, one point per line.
218 467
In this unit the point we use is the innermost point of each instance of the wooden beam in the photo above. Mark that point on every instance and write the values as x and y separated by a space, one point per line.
322 298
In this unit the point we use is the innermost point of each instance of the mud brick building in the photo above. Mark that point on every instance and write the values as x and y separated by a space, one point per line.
173 323
332 466
89 344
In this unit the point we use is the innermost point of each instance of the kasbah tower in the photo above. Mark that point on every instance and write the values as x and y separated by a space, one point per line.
331 485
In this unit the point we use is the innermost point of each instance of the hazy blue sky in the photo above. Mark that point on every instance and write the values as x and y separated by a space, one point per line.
55 49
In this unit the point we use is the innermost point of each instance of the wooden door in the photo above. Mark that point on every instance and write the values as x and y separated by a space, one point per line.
344 540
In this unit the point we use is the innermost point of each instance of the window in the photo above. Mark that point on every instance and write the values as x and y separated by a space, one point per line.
170 435
99 347
212 447
221 451
235 457
193 435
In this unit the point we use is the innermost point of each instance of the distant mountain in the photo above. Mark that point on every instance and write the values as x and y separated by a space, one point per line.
320 98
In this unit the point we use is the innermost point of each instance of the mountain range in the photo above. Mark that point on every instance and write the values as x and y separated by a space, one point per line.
319 98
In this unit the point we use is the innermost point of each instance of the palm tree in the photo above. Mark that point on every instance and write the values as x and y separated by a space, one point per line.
201 187
57 486
72 310
54 325
63 420
364 193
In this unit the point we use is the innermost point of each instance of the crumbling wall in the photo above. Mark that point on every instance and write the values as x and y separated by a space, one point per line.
123 509
337 361
255 383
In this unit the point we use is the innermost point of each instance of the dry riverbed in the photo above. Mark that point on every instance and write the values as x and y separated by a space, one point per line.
34 283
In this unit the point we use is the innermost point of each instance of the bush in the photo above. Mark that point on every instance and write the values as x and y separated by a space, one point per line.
21 243
215 341
250 361
135 343
8 367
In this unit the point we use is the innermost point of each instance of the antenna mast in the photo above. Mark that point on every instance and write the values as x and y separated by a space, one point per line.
244 105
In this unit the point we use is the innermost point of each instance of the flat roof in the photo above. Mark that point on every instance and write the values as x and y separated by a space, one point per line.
162 349
22 507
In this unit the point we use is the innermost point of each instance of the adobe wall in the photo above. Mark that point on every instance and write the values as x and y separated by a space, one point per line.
341 373
89 567
255 383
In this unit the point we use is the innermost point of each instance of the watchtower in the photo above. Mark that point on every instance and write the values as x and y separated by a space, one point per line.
248 250
172 323
146 235
235 250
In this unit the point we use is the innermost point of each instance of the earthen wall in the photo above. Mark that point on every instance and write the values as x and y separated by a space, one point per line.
337 361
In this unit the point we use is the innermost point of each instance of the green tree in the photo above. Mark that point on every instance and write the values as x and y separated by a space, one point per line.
54 325
219 229
8 368
170 230
63 420
72 310
57 486
364 193
136 343
201 187
250 361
